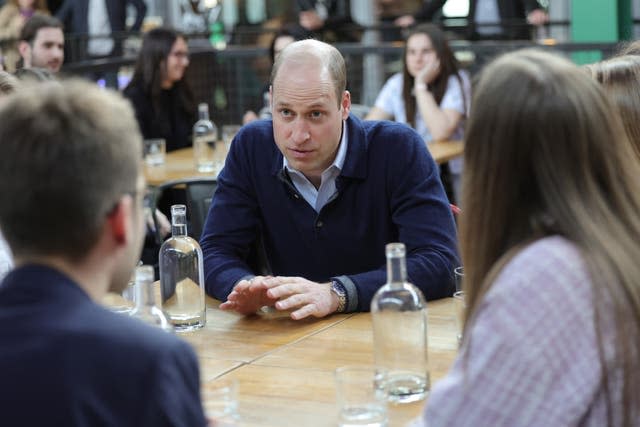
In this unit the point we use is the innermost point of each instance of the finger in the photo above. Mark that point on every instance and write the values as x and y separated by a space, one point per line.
228 305
233 296
305 311
256 286
242 286
283 290
293 301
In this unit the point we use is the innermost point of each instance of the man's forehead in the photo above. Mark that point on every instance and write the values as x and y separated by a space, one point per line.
49 34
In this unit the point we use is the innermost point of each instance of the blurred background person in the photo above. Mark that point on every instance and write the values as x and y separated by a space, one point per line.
13 16
34 75
328 20
75 149
620 78
8 85
281 39
41 43
431 94
511 17
549 238
96 29
161 97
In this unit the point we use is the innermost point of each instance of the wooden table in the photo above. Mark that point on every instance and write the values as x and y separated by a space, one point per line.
180 164
285 368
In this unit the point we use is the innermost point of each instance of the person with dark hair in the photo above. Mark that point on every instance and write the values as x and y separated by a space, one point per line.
323 192
161 97
41 43
281 39
13 16
549 237
431 94
103 21
513 18
328 20
76 149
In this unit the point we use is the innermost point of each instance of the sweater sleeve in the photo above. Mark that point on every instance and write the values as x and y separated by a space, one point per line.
421 213
529 356
232 224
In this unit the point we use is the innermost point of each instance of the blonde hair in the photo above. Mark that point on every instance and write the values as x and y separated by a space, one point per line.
620 77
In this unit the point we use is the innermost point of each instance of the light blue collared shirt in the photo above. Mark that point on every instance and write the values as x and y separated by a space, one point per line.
317 198
487 12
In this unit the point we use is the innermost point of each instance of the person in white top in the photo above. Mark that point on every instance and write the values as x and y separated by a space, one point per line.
431 94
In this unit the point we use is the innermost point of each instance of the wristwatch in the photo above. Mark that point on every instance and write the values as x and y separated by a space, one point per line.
338 289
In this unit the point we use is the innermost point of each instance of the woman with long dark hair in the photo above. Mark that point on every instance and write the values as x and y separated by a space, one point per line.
431 94
161 97
549 238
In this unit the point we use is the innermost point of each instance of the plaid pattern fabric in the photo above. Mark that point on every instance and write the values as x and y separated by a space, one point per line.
530 356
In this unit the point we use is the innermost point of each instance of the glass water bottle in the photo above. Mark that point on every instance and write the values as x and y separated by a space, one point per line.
182 276
205 134
399 314
145 298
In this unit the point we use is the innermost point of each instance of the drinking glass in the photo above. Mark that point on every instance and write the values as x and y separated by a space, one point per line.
458 273
361 396
228 133
121 303
459 308
220 401
154 151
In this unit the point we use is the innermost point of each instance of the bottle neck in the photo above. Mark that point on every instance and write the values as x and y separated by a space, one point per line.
396 270
203 113
178 225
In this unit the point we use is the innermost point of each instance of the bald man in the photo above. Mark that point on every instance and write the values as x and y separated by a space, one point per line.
323 192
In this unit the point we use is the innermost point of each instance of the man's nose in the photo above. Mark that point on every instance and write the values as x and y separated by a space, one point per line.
300 131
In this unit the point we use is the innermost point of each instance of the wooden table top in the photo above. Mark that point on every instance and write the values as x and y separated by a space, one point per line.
180 164
284 368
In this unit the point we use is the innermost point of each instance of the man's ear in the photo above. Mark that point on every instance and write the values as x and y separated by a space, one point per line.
25 52
118 220
345 103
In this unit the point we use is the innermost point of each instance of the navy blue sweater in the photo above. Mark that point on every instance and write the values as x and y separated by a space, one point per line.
389 190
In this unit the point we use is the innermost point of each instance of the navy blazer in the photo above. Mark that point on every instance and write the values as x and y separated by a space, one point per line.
75 15
67 361
511 11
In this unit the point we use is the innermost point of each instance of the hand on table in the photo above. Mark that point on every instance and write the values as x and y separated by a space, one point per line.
304 297
248 296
